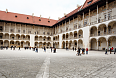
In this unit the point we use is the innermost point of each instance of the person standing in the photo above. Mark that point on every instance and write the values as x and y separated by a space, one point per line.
51 49
73 48
79 52
19 47
86 50
110 50
44 49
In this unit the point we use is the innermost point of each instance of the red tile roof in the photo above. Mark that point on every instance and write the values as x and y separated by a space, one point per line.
35 20
71 13
9 16
86 3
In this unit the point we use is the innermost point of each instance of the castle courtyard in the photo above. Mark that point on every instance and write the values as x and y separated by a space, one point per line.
62 64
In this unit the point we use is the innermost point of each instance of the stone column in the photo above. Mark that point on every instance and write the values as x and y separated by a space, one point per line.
97 13
97 45
3 42
9 43
25 29
107 45
89 17
83 18
97 31
77 21
73 23
65 26
15 27
20 28
4 27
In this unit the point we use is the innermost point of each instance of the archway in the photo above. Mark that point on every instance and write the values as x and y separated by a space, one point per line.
102 30
6 43
93 31
93 44
80 43
63 45
112 27
112 41
80 34
75 34
102 44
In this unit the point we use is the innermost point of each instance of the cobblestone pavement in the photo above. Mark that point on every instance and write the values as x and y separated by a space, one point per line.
63 64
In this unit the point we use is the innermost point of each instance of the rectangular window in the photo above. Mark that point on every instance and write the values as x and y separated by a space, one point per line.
23 31
18 31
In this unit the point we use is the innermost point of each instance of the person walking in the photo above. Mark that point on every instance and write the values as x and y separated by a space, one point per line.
79 52
110 50
73 48
44 49
106 51
37 49
115 51
51 49
86 50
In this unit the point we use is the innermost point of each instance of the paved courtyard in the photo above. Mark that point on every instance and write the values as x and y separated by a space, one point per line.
63 64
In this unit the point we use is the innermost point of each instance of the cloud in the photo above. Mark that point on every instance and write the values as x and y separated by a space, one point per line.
46 8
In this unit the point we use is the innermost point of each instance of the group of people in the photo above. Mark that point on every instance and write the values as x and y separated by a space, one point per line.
54 49
111 50
79 51
3 47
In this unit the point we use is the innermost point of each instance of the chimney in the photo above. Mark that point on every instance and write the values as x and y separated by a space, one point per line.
40 16
49 18
58 18
64 14
32 14
77 5
6 10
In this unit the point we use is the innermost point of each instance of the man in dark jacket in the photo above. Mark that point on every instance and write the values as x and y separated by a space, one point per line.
115 51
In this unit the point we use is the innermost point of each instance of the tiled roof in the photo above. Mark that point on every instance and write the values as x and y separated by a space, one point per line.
71 13
9 16
35 20
87 1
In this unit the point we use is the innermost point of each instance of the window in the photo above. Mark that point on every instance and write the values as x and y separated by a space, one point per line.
1 28
44 33
29 32
109 16
19 31
105 17
16 16
23 31
48 21
39 19
27 17
11 30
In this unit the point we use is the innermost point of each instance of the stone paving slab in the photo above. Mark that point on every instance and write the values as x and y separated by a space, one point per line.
62 64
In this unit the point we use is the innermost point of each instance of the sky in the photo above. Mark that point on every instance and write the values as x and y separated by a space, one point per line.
45 8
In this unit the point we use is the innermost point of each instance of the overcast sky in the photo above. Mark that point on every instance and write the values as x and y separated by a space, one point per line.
45 8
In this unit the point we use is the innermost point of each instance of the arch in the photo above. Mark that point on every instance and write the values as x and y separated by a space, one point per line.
80 43
12 36
63 36
6 43
27 43
27 37
70 44
36 44
102 42
18 44
36 38
102 29
93 31
112 27
75 34
18 37
23 37
1 42
75 43
93 43
1 35
67 35
40 38
112 41
63 45
6 36
22 44
80 33
12 43
40 45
